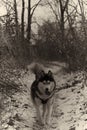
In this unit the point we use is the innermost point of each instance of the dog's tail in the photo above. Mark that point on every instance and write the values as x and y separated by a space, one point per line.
36 68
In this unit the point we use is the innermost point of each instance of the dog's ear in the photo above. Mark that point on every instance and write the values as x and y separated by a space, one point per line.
40 74
50 73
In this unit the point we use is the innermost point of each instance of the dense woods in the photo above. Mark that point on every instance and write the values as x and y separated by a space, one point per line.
61 37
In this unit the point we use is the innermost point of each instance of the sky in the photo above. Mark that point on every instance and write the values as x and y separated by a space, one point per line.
41 12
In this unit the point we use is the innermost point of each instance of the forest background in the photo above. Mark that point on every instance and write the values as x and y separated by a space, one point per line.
44 30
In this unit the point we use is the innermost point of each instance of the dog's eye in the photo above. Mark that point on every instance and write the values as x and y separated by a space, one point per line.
44 82
48 82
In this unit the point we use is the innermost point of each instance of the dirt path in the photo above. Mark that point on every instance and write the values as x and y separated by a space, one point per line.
70 106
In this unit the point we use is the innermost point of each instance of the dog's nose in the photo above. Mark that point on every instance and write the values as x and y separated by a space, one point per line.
47 89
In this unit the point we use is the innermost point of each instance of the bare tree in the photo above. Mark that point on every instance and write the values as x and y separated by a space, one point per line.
62 13
22 19
71 19
31 11
16 18
8 19
83 18
29 20
58 8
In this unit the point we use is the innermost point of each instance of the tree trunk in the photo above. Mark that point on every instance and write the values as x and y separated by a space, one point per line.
62 23
62 28
22 20
16 18
81 5
29 21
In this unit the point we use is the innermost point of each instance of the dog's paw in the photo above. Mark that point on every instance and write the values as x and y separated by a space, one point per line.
48 122
39 122
44 122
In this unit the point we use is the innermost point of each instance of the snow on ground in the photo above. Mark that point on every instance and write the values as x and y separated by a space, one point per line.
70 107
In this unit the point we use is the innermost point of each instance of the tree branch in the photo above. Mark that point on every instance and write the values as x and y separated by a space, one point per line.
34 7
53 11
69 14
67 1
61 6
8 3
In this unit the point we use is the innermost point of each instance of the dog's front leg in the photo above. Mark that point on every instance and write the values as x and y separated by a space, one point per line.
38 109
44 113
50 109
39 116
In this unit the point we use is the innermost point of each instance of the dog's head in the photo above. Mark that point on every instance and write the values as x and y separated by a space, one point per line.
46 82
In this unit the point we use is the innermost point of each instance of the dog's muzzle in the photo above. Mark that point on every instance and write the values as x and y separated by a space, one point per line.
47 91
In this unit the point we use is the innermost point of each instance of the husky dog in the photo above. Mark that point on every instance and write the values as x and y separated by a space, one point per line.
42 94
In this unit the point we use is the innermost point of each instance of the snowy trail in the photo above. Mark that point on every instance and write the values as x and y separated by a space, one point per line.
69 112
